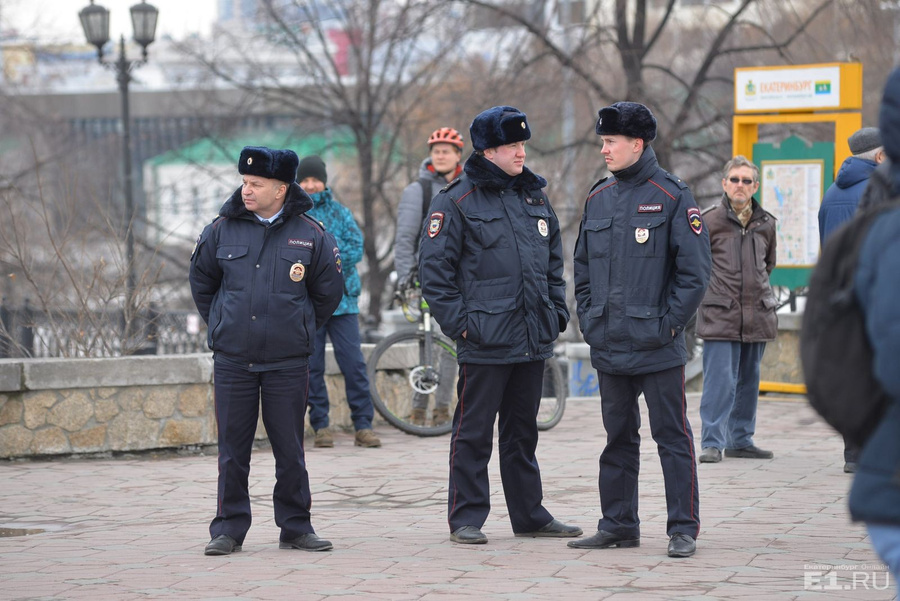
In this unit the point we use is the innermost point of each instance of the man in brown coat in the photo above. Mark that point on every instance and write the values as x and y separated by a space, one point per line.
737 315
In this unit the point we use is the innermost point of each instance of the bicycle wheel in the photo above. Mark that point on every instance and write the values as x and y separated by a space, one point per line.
400 379
553 398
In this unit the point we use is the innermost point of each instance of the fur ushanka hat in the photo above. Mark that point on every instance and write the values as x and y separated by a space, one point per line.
630 119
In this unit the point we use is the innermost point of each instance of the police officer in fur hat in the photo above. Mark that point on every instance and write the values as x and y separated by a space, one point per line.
642 264
491 269
264 277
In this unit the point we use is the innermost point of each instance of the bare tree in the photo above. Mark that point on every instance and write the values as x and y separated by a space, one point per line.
356 66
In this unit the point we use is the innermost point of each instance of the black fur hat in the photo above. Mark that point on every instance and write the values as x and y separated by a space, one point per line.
627 119
268 162
497 126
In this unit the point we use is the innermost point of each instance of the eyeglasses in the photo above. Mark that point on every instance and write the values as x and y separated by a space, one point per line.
735 180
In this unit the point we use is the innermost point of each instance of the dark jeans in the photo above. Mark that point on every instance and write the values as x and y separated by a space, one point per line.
343 330
282 395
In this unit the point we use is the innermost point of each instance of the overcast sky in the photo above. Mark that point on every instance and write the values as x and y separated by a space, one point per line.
57 20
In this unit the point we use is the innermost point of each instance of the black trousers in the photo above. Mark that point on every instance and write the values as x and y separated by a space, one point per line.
282 395
513 391
620 460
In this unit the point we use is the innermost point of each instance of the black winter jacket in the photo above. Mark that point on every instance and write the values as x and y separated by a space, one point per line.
264 289
642 265
491 264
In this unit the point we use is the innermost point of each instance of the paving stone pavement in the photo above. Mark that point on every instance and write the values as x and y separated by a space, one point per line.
135 527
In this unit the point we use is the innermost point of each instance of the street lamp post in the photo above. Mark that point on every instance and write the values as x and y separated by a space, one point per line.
95 22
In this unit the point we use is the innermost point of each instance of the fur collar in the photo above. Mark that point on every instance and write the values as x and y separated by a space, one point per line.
296 202
485 174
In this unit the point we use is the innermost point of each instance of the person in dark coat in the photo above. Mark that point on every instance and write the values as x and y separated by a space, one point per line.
264 277
642 265
737 315
875 493
842 197
840 203
491 268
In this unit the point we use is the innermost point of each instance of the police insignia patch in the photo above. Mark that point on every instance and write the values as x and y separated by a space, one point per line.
543 229
337 260
435 223
693 217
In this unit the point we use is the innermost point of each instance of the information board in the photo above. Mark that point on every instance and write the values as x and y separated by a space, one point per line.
792 191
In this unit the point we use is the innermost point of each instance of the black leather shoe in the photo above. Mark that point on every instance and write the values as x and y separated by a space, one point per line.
307 542
554 529
681 545
468 535
605 540
850 467
221 545
751 452
711 455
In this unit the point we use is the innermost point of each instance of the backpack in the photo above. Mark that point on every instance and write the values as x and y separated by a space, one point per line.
834 348
426 204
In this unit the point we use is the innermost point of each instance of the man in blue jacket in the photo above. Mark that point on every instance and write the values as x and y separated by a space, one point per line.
491 268
264 277
342 327
840 202
642 265
842 197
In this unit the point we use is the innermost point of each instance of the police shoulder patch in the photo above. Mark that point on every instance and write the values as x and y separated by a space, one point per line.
435 223
337 260
694 220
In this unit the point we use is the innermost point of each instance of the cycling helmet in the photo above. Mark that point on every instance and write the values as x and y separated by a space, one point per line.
446 135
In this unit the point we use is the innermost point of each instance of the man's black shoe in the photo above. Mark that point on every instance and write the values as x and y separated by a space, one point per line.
468 535
711 455
850 467
681 545
307 542
751 452
605 540
221 545
554 529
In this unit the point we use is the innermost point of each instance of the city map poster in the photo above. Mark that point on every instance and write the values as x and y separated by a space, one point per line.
792 192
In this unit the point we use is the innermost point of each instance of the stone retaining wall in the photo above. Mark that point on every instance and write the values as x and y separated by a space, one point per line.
66 406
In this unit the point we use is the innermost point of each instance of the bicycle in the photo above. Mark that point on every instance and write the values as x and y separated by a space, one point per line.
418 367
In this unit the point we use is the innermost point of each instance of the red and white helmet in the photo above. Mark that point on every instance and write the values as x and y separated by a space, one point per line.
446 135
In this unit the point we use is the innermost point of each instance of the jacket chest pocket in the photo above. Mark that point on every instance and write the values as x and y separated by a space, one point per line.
234 262
647 237
488 230
292 271
598 237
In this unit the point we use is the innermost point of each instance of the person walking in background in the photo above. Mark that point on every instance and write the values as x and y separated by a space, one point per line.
440 168
342 328
264 276
491 268
642 264
840 202
737 315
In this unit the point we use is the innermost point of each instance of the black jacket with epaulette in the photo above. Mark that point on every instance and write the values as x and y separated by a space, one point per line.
642 265
264 288
491 265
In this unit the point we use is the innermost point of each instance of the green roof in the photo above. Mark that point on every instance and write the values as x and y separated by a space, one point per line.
226 151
